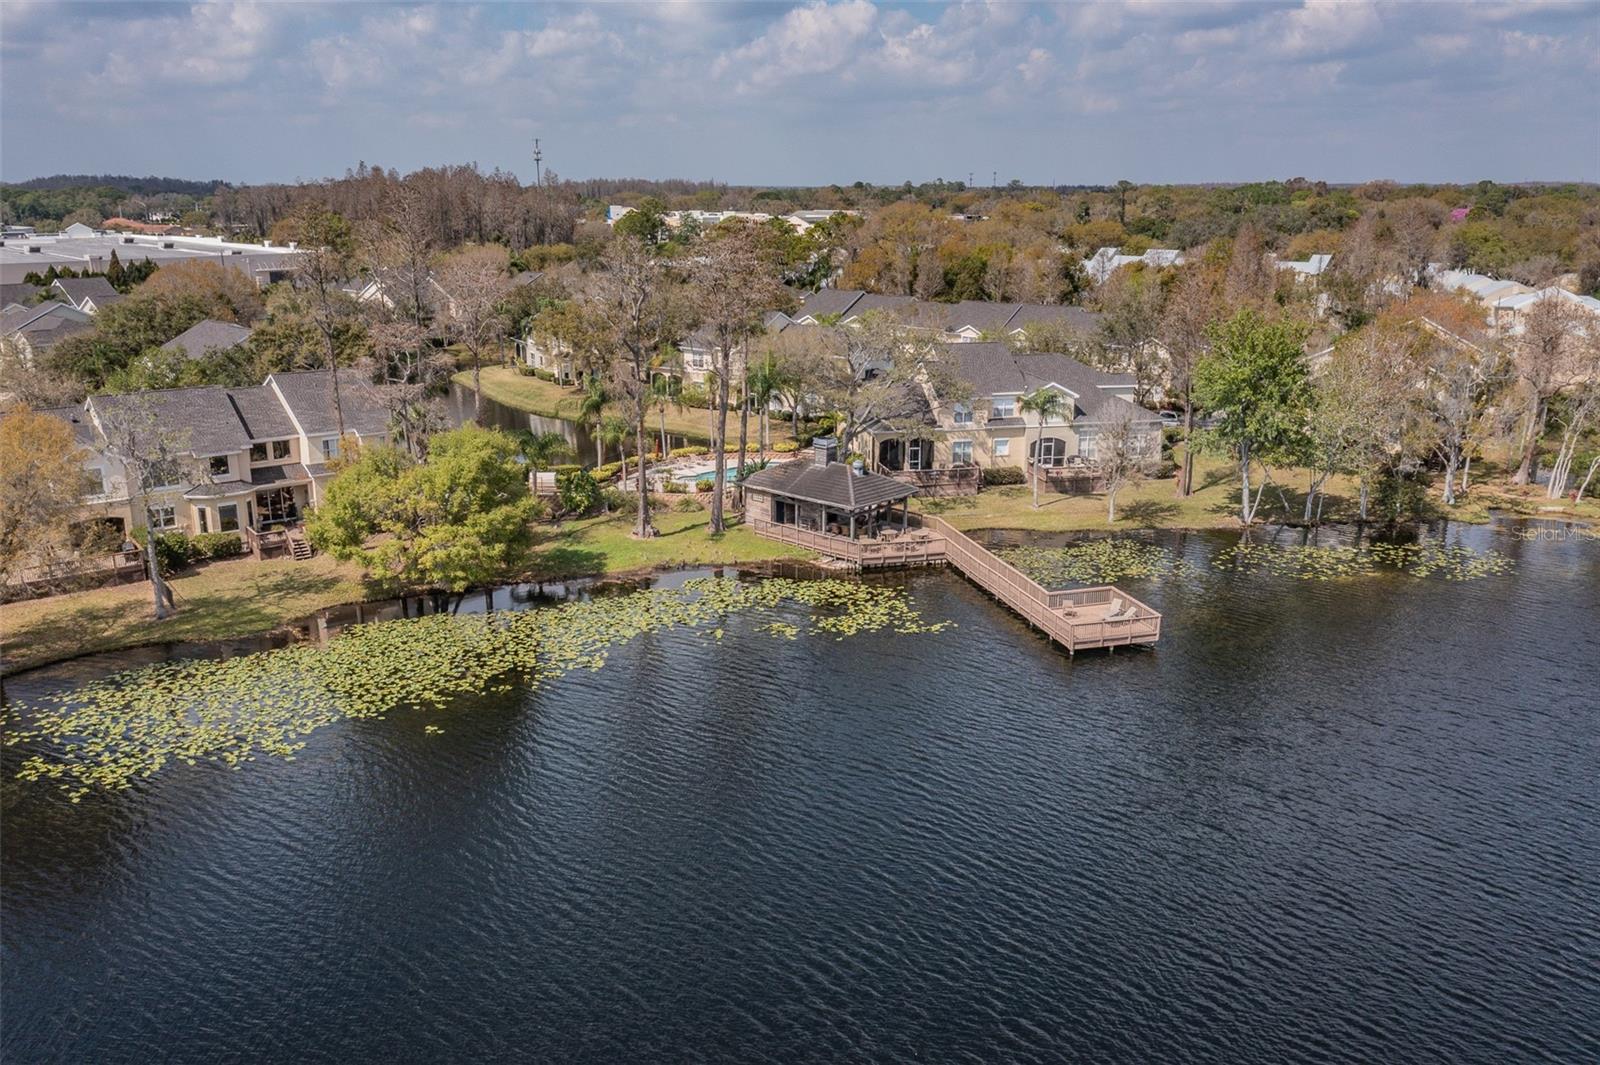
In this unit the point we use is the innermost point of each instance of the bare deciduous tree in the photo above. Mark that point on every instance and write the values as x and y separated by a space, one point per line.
1546 362
632 301
474 285
734 281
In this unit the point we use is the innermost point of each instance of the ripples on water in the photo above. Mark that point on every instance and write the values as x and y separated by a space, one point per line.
1349 821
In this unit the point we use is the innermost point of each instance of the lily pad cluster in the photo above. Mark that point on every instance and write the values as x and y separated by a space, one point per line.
1453 562
1101 561
1299 561
113 732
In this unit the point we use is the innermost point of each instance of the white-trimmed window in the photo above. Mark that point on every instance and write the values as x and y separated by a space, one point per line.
1086 445
961 452
228 517
163 517
219 465
203 516
962 415
1003 407
1002 448
280 449
330 448
258 452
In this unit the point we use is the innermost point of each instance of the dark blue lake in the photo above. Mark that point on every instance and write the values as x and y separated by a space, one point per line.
1353 820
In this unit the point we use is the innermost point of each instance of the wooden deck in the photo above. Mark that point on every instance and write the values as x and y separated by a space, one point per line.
914 549
1079 619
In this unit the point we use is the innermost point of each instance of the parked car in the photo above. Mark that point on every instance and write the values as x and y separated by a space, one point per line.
1170 418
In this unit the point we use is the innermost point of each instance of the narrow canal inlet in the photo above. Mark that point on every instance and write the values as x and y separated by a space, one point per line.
1350 819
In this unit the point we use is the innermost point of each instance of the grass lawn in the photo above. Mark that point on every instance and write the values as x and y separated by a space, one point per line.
1215 503
505 385
242 597
595 546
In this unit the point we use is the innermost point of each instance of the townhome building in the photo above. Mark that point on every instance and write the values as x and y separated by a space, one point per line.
244 460
987 427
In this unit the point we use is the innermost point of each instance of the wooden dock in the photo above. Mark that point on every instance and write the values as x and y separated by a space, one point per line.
1078 619
915 548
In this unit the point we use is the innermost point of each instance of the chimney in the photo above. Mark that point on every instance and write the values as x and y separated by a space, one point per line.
824 450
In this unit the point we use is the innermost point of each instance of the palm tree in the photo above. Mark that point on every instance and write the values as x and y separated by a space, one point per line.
591 409
664 393
542 449
1047 404
614 431
766 381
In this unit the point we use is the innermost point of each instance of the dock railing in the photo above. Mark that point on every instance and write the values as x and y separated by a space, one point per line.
865 554
1052 612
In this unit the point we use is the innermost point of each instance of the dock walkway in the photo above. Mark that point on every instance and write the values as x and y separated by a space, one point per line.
1078 619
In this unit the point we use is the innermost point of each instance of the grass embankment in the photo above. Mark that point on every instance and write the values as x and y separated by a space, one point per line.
223 600
1214 503
505 385
243 597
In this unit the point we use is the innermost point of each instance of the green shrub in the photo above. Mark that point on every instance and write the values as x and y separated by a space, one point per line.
607 473
705 484
785 447
1167 468
694 396
998 475
207 547
172 549
526 371
692 451
577 491
675 488
545 375
686 504
618 501
565 467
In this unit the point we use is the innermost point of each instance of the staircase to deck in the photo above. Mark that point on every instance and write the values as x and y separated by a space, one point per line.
300 548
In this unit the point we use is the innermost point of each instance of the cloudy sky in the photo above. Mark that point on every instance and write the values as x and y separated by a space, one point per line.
832 90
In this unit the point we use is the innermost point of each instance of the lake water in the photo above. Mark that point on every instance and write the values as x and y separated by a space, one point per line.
460 409
1352 820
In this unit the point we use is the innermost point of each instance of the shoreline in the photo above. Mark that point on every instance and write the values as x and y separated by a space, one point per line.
296 628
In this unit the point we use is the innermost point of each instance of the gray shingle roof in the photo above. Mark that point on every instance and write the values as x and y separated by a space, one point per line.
834 485
263 416
309 395
79 289
45 317
288 473
827 301
871 301
83 429
208 334
979 314
1041 313
994 368
203 419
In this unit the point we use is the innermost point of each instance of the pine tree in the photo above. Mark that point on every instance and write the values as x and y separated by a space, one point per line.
116 274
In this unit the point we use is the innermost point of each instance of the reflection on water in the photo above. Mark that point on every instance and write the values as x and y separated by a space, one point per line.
1342 821
577 434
